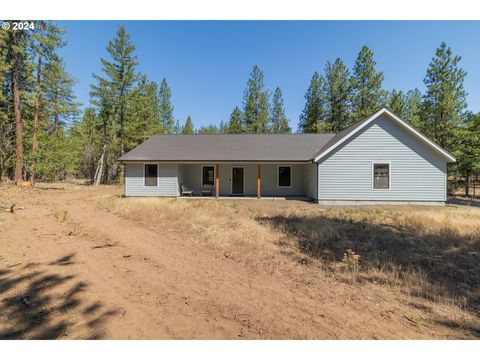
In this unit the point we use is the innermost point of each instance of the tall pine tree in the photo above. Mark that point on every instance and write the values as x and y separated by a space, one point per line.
313 115
143 113
166 109
19 86
337 92
255 103
278 119
113 92
366 82
46 40
445 98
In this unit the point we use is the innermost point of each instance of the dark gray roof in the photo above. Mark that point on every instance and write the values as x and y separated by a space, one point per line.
245 147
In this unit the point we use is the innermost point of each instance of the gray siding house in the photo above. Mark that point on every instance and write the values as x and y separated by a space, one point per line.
380 159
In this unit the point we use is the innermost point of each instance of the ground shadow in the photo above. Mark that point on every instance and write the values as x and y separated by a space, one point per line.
464 201
447 261
37 302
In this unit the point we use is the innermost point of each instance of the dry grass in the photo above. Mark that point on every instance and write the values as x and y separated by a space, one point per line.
423 255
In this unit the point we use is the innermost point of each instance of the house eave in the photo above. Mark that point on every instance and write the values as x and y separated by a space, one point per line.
308 161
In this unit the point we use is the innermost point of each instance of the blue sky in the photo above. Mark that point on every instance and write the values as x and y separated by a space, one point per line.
207 63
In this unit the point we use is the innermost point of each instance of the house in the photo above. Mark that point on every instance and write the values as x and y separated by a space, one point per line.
380 159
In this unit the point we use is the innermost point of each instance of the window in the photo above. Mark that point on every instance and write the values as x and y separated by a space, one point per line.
284 176
208 175
381 176
151 174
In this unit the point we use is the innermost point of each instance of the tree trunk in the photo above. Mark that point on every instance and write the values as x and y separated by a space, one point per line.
467 178
35 118
122 130
474 185
99 171
17 113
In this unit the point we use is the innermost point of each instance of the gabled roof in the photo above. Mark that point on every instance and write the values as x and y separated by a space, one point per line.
346 134
258 147
245 147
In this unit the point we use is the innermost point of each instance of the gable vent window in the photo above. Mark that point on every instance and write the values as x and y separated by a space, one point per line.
151 174
381 176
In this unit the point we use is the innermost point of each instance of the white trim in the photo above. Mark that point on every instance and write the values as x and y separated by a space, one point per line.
278 177
201 173
389 175
398 120
445 175
231 177
158 174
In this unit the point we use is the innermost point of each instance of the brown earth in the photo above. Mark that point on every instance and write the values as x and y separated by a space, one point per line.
72 269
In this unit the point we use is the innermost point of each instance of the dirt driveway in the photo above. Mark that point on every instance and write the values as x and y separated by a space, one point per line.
69 269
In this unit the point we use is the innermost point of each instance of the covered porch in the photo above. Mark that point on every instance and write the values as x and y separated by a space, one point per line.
274 181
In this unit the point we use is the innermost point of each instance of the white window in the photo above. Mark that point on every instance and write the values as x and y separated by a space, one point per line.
284 176
381 176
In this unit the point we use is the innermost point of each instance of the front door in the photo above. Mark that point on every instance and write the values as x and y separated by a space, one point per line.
237 180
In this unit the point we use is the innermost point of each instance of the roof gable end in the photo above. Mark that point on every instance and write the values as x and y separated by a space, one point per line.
354 129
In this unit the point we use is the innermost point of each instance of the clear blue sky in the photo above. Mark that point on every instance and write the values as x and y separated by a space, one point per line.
207 63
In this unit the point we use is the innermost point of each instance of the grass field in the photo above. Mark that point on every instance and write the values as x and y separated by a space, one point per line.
429 253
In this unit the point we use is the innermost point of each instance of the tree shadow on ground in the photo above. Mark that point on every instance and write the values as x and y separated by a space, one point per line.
474 202
40 303
446 264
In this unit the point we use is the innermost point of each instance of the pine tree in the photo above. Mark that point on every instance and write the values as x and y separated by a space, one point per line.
112 94
59 110
166 108
255 103
60 101
188 128
235 125
46 40
120 76
467 149
397 103
278 119
337 94
7 133
88 133
143 113
314 111
366 82
19 85
413 108
445 98
103 98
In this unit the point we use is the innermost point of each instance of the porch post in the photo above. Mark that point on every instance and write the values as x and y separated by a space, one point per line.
259 181
217 183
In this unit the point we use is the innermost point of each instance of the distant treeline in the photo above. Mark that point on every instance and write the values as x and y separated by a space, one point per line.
44 134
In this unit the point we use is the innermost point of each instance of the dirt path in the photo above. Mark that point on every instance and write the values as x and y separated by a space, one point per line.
71 270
